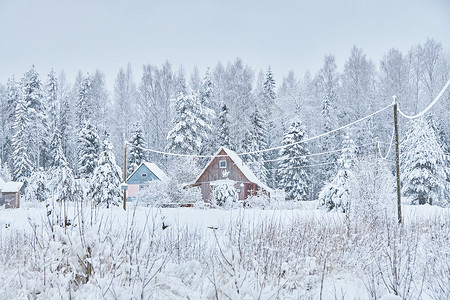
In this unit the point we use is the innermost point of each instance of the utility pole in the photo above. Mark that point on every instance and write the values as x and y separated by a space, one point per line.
125 179
397 162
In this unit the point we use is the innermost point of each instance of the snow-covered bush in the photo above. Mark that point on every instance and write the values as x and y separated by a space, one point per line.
37 188
259 200
155 194
225 195
371 187
335 194
160 193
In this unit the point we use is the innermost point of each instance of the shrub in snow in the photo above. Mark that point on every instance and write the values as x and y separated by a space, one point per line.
334 195
155 194
423 171
371 188
37 188
159 193
259 200
225 195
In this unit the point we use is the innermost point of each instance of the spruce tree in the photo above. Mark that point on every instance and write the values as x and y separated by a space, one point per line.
21 161
269 88
88 150
104 185
334 195
52 90
84 100
256 140
61 178
136 154
208 113
327 83
38 125
224 129
294 177
13 94
423 171
65 125
189 134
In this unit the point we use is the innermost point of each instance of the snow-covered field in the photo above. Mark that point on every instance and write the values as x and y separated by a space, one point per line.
190 253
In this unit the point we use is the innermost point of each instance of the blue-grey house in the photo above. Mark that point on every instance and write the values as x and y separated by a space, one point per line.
142 177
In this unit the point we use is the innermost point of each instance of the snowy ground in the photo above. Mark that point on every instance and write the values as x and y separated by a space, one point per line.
300 253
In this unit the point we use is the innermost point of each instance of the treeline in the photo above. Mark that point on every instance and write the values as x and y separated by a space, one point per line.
225 105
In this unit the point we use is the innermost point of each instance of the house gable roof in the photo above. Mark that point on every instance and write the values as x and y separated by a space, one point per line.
10 187
239 164
152 168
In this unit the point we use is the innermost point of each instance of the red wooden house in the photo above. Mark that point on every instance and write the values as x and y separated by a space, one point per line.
226 167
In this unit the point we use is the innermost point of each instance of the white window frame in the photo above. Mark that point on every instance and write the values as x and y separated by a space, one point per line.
220 164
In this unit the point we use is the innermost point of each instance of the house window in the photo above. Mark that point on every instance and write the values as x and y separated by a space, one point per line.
222 164
144 174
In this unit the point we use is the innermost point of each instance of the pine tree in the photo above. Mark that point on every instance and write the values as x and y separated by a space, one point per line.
61 179
334 195
21 161
52 89
274 122
38 125
294 177
136 154
269 89
13 94
189 135
256 140
208 113
65 125
105 182
5 174
328 83
224 130
84 100
88 150
56 152
423 172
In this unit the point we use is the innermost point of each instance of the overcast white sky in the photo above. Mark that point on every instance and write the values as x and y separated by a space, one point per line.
107 34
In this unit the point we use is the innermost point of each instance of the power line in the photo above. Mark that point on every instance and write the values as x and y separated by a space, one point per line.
429 106
305 166
268 149
317 136
390 146
173 154
308 155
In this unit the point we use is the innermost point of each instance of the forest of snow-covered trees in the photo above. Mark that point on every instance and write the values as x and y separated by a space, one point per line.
53 131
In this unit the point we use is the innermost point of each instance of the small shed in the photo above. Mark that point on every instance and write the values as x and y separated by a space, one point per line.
142 177
227 166
10 193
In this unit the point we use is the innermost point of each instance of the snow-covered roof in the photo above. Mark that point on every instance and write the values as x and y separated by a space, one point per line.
10 187
153 168
238 163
